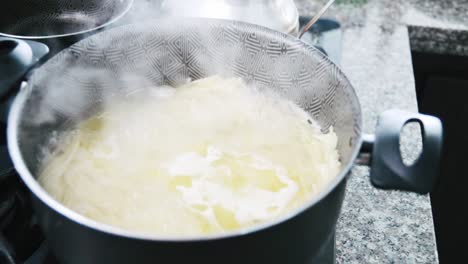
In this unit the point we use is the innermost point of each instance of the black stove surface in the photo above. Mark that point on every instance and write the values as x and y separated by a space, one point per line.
20 235
21 240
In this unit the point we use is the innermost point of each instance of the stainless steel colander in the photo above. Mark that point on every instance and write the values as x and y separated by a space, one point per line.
73 85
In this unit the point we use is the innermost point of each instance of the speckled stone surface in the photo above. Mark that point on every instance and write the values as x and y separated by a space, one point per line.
437 26
389 226
439 40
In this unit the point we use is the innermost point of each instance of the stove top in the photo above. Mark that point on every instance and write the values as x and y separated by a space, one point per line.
20 235
21 240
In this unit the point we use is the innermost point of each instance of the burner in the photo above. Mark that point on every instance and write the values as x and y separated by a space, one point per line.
19 233
21 240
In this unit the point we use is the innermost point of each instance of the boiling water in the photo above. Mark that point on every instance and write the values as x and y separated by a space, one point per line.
212 156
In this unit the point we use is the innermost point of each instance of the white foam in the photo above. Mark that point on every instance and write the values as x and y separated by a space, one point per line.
250 204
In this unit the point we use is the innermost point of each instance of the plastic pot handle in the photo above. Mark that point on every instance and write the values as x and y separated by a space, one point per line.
382 153
17 57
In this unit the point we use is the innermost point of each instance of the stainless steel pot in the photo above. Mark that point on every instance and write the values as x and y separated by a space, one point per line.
280 15
73 85
59 23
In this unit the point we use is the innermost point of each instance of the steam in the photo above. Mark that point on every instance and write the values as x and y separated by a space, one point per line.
152 53
143 10
277 15
85 78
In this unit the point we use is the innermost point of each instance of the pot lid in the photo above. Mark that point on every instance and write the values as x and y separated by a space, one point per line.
280 15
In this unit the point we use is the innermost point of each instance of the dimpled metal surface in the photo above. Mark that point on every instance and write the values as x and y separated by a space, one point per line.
73 84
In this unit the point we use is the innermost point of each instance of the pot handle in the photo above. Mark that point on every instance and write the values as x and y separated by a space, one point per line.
382 153
17 57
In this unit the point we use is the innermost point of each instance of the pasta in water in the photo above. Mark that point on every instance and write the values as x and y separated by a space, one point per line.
212 156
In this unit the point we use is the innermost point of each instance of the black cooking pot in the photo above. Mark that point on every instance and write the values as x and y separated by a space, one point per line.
73 85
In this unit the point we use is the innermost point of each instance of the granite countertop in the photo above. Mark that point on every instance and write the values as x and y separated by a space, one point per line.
389 226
